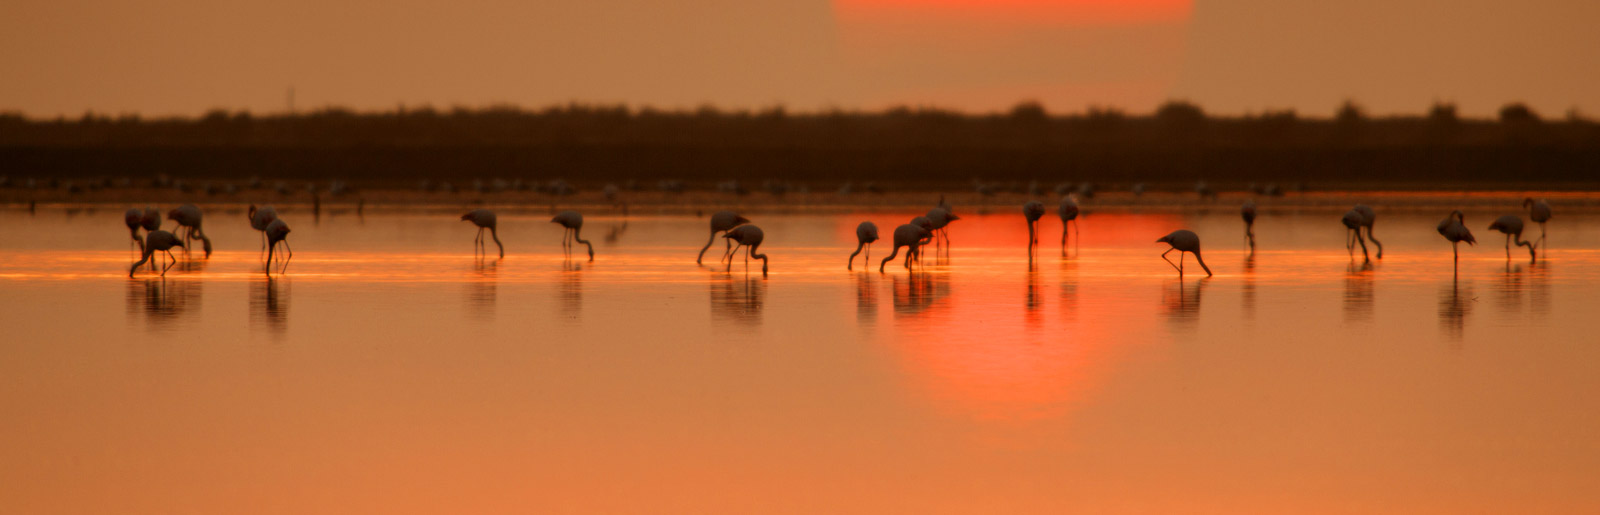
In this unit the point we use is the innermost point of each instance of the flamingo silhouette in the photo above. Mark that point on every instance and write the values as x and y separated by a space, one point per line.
277 232
134 217
941 217
1183 240
1069 214
484 219
747 236
927 225
1511 225
1352 224
722 221
1248 212
1032 211
909 236
188 218
1454 228
157 240
1367 217
573 222
866 233
1539 212
260 219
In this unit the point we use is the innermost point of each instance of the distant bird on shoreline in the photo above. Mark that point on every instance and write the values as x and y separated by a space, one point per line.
1248 212
1352 224
748 236
1454 228
909 236
1183 240
721 221
573 222
484 219
1539 212
157 241
866 233
1511 225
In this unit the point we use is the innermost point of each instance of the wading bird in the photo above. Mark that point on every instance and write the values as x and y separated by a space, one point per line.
188 218
484 219
260 219
161 241
1367 217
1183 240
927 225
1539 212
866 233
1511 225
1352 225
1248 212
574 223
1069 214
277 232
747 236
909 236
134 218
1454 228
1033 211
721 221
941 218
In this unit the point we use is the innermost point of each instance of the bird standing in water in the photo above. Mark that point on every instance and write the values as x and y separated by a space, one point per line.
1511 225
157 241
1033 211
260 219
1539 212
1352 225
133 218
188 218
277 232
1367 217
866 233
1454 228
573 222
909 236
941 217
721 221
747 236
1069 214
1183 240
1248 212
484 219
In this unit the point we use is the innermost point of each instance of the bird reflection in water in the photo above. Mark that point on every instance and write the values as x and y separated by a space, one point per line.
483 288
572 290
1358 291
1539 288
1069 290
1455 303
1182 302
1509 289
161 302
738 298
190 265
914 293
866 299
1247 296
269 304
1035 299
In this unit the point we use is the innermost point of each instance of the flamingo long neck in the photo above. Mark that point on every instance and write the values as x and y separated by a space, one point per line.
892 254
574 238
707 247
1202 262
859 245
143 258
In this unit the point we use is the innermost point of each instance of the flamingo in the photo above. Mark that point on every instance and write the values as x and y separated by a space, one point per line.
134 218
1454 228
574 223
1248 212
721 221
260 219
484 219
1539 212
746 236
157 240
1352 223
1033 211
910 236
866 233
277 232
1069 214
927 225
188 218
1511 225
1183 240
1367 217
941 218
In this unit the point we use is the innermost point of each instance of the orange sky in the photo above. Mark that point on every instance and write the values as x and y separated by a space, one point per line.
1231 56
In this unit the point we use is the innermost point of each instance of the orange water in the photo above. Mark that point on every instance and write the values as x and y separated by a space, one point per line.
391 371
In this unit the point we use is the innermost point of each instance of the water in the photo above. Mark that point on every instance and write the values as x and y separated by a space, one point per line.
391 371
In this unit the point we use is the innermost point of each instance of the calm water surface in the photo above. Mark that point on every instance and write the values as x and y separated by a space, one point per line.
392 371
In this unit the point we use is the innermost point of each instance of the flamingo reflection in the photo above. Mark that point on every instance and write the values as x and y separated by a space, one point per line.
1358 292
738 299
269 304
1455 304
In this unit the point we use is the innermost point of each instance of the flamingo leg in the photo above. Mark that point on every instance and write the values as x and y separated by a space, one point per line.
169 265
1180 262
1169 261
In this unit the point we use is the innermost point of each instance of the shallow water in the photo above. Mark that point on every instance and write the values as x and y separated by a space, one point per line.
390 370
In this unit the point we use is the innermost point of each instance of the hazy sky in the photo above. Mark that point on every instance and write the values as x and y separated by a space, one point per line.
187 56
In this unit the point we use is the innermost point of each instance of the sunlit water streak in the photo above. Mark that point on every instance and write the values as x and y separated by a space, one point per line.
391 370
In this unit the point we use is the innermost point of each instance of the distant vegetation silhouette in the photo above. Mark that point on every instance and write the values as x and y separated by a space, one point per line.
1179 142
